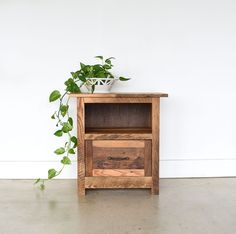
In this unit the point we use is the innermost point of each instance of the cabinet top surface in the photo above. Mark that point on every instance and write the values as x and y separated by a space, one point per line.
118 95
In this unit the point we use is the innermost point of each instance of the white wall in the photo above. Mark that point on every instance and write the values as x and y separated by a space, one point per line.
185 48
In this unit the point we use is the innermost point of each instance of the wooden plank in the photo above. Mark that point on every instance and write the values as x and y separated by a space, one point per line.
98 136
81 153
148 158
118 130
119 144
118 172
117 100
118 182
118 95
88 158
155 145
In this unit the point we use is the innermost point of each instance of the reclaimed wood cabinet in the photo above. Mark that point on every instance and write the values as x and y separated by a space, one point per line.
118 140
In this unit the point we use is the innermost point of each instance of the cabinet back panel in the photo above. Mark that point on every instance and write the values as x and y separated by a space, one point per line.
118 115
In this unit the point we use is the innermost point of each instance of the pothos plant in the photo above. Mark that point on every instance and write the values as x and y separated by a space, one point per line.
64 121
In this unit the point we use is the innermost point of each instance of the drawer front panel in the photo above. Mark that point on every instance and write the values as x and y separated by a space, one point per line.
118 154
118 172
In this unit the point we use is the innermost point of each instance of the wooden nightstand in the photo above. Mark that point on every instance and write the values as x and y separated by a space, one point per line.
118 140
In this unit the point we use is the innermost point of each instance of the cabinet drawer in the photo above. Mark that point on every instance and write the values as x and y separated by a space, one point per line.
118 158
118 154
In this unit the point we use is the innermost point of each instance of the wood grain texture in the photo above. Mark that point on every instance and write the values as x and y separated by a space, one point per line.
125 158
81 153
118 141
118 116
112 136
117 100
119 144
89 158
118 182
123 130
118 172
148 158
155 145
118 154
119 95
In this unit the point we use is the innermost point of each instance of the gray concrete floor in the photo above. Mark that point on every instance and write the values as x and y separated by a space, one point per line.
188 206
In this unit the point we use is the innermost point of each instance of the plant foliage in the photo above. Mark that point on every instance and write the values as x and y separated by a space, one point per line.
64 122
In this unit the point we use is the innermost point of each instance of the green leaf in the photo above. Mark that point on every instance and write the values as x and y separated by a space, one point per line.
51 173
110 58
71 86
74 75
58 133
60 150
71 151
53 116
70 120
64 109
82 65
66 161
66 127
123 78
54 96
99 57
78 73
108 61
101 74
88 68
37 181
97 67
69 81
42 187
82 78
107 66
74 139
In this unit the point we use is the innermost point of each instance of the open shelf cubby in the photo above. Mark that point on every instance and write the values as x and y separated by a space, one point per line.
118 118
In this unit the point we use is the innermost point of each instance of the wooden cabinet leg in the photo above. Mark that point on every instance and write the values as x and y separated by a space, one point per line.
155 145
81 153
155 190
81 190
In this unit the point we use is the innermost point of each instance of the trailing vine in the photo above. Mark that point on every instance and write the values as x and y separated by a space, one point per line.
64 121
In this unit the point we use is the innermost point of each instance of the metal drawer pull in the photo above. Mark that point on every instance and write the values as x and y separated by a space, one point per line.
117 158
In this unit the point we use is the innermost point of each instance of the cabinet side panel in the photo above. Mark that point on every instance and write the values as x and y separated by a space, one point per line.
155 145
81 153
